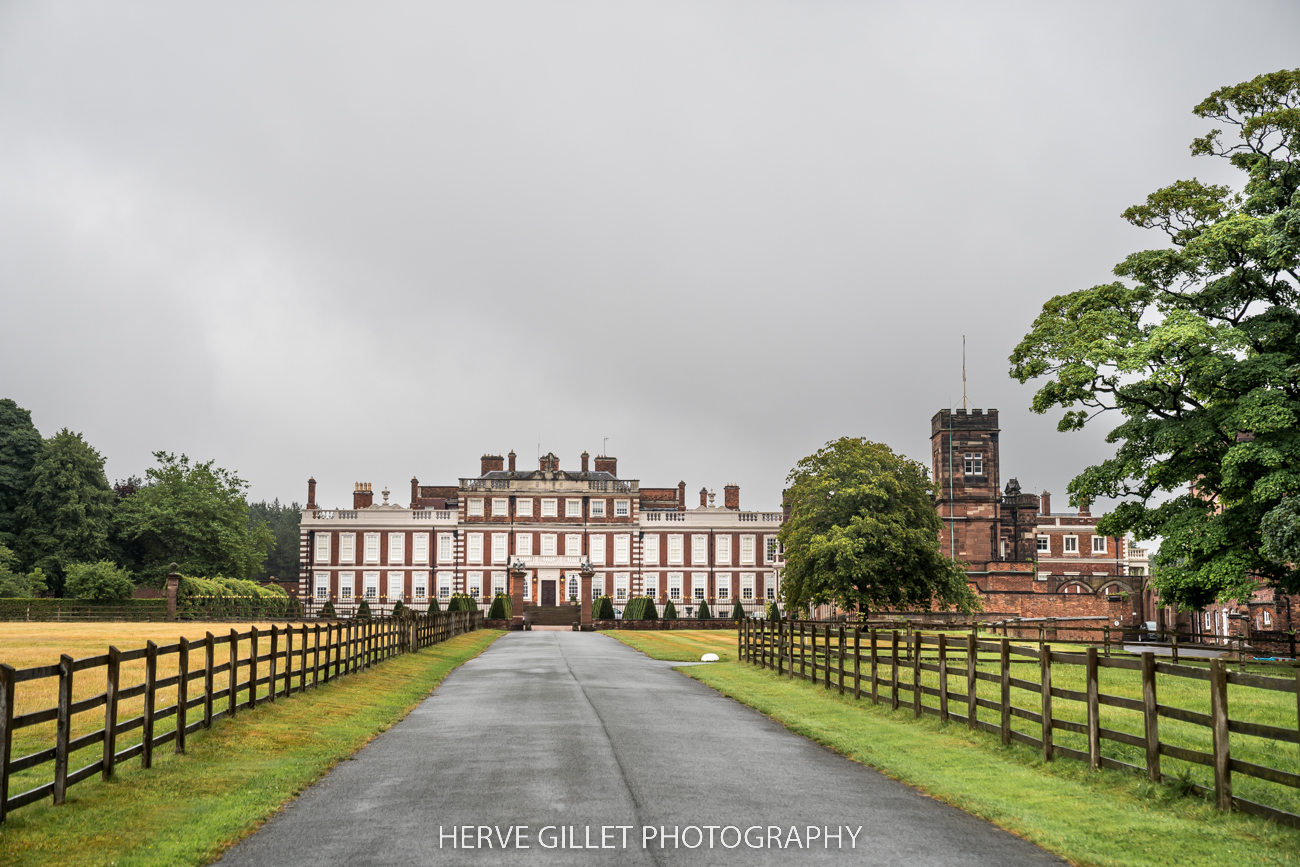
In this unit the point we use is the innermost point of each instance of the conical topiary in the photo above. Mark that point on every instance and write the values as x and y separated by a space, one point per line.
363 613
737 611
398 608
327 613
501 607
703 612
670 610
773 611
602 608
433 604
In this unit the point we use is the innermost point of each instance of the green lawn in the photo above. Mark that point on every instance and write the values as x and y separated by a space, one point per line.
1090 818
188 809
677 645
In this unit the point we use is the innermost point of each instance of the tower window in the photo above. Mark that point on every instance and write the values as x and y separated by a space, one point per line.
974 462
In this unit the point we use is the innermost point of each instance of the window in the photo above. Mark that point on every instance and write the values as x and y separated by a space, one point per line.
1099 544
974 463
396 586
1043 576
722 550
723 582
548 508
500 507
1044 544
650 550
769 586
573 587
445 548
345 586
372 547
769 548
420 548
675 586
622 549
598 585
474 545
474 507
500 542
322 547
747 550
524 545
596 547
444 586
573 508
1137 570
622 508
1268 619
651 582
420 586
699 550
548 544
372 586
699 585
322 586
396 548
347 548
1072 544
747 586
674 550
475 584
620 585
597 508
524 507
498 583
572 544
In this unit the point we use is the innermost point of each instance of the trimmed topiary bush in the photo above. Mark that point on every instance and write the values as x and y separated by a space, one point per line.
462 602
737 611
328 611
641 608
670 610
433 604
398 608
703 612
773 611
363 612
502 608
602 608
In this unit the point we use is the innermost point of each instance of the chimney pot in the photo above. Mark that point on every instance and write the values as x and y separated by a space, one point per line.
311 493
731 497
585 456
681 496
1045 503
511 458
704 497
362 496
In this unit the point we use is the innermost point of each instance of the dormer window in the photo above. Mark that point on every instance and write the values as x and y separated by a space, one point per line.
974 463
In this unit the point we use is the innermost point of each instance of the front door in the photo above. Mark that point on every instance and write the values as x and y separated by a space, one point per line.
548 592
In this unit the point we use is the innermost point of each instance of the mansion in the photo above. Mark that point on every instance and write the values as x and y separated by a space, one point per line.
547 525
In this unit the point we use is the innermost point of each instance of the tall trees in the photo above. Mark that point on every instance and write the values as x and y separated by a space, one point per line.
863 533
282 520
1196 347
20 445
195 515
66 510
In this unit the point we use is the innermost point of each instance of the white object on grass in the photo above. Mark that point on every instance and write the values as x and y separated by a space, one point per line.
709 657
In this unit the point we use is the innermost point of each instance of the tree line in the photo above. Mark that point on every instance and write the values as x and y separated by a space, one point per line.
65 531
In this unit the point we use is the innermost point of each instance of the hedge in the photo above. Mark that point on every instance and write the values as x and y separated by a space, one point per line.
80 609
773 611
738 611
703 612
209 597
670 610
462 602
602 608
640 608
502 608
363 611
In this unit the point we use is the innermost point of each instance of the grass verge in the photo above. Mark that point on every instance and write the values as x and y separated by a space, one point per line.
1108 818
188 809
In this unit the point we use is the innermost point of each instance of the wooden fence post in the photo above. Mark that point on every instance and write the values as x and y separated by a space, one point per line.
1094 713
916 674
814 654
740 640
1006 691
789 643
1150 718
893 668
288 660
150 702
780 647
875 681
1219 728
252 669
182 692
1045 676
857 663
7 682
841 660
943 677
315 657
209 663
113 673
972 662
63 729
231 704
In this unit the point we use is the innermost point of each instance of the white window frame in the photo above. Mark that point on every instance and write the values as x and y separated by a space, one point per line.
622 549
473 547
597 508
500 586
650 584
500 507
474 507
769 586
722 550
598 585
572 544
444 586
347 585
523 544
747 550
622 586
323 546
420 549
771 547
747 586
550 543
446 548
550 507
396 581
396 549
1071 544
622 508
722 586
675 586
676 545
650 550
524 507
347 548
420 586
699 549
370 587
973 463
372 549
1044 545
1102 548
500 547
699 586
572 507
474 584
322 586
596 549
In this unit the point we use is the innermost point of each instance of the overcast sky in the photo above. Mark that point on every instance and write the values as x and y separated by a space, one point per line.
367 241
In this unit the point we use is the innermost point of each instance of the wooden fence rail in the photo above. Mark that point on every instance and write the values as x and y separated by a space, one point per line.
851 658
207 687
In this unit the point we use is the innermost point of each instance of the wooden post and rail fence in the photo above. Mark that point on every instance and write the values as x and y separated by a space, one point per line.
207 686
892 664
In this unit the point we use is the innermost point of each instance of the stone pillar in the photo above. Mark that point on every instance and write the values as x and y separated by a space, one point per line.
517 580
584 599
173 590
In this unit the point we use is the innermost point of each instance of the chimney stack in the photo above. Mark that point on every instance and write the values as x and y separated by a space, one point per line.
681 496
511 457
311 493
704 497
362 496
488 463
607 465
1085 508
731 497
415 493
1045 503
585 456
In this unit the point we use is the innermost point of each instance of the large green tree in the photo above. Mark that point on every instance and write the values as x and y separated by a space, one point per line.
66 510
195 515
14 584
282 562
863 533
20 445
1195 349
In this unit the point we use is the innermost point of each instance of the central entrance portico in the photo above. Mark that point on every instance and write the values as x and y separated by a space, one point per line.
549 581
